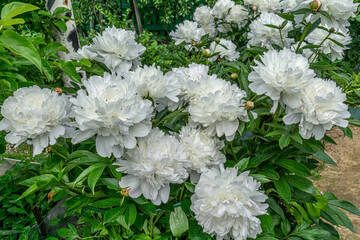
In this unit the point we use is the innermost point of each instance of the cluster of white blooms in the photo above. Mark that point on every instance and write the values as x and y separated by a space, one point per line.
322 107
264 36
38 116
328 46
187 32
266 5
111 109
226 50
116 48
226 205
205 19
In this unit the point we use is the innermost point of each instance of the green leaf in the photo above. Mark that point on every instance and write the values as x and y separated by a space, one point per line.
60 10
11 21
38 180
322 156
339 217
322 65
87 171
275 207
54 47
283 189
313 233
130 215
113 214
302 211
70 70
345 205
148 208
61 25
242 164
90 160
94 177
33 188
301 183
16 8
257 160
79 154
293 166
260 178
47 70
266 221
178 221
108 202
284 140
21 46
190 187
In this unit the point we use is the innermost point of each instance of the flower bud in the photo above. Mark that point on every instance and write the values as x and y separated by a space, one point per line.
194 43
217 40
50 195
206 52
332 30
254 8
234 76
48 149
125 192
58 90
249 105
200 43
315 5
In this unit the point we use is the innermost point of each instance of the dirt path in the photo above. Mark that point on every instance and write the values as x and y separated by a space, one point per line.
344 180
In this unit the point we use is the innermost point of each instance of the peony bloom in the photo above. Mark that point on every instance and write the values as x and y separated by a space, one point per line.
221 8
151 82
322 107
230 54
205 19
204 150
40 115
264 36
187 32
85 52
329 47
217 106
111 109
266 5
227 205
238 15
152 165
339 11
281 76
289 5
116 48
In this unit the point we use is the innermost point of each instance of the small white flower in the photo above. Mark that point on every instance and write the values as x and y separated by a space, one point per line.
322 107
151 81
187 32
221 8
281 76
265 5
205 19
329 47
238 15
152 165
35 114
230 54
216 105
339 11
117 49
204 150
264 36
111 109
227 205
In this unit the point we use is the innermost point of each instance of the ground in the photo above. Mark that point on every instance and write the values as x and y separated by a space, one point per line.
343 180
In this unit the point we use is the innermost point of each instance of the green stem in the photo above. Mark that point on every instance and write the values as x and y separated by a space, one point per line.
151 225
317 51
281 37
303 36
171 115
233 152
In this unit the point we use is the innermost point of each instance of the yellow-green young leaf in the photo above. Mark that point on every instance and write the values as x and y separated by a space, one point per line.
178 222
16 8
11 21
33 188
94 177
21 46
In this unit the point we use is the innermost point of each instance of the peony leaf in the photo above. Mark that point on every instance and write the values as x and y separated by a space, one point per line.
113 214
301 183
130 214
178 222
283 189
94 177
294 167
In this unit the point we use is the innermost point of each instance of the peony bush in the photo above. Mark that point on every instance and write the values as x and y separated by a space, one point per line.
219 145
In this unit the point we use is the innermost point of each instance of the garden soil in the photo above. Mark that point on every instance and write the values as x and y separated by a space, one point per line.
343 180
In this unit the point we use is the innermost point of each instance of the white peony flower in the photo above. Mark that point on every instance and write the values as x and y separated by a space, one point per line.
230 54
264 36
111 109
289 5
329 47
204 150
221 8
205 19
238 15
157 161
322 107
187 32
339 11
216 105
40 115
117 49
265 5
227 205
85 52
281 76
151 81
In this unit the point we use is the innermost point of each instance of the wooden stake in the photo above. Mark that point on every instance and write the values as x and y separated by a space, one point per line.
137 14
39 220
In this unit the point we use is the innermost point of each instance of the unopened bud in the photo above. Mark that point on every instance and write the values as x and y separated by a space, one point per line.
234 76
58 90
332 30
206 52
249 105
48 149
200 43
217 40
194 43
315 5
254 8
50 195
125 192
